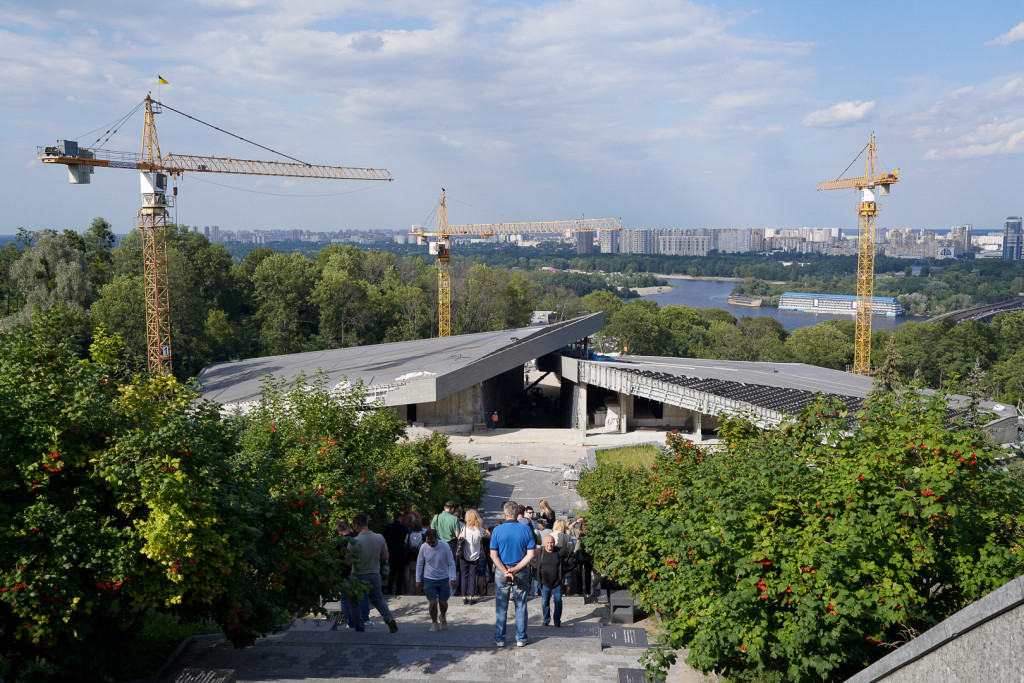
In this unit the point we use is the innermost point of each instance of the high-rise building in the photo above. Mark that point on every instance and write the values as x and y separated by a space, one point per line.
961 235
584 243
1013 239
609 242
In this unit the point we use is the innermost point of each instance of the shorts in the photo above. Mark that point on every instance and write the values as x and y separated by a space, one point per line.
437 589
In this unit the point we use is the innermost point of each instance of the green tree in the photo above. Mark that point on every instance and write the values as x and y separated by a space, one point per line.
121 496
485 299
344 308
638 330
828 344
687 327
287 315
50 272
122 306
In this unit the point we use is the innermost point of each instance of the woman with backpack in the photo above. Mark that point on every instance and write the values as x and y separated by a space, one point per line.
412 547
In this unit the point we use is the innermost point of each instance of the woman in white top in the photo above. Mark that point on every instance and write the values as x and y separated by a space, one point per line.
474 535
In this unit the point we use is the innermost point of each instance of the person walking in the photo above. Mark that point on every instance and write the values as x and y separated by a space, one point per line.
372 549
474 536
413 542
512 549
395 535
345 531
435 575
584 560
447 525
552 564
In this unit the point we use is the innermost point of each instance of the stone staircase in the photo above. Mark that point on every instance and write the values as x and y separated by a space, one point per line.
585 648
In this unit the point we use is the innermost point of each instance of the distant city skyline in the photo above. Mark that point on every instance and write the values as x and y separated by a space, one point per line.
657 112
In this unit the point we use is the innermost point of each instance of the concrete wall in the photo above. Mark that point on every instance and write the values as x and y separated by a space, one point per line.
462 407
982 642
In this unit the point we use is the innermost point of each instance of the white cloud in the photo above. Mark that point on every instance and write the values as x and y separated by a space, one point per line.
1014 35
840 114
999 137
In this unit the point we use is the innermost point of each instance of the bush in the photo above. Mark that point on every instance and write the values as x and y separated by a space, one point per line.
808 551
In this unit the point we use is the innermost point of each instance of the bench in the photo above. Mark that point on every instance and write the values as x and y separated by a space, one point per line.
620 607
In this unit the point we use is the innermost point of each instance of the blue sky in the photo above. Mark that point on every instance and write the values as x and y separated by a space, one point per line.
659 112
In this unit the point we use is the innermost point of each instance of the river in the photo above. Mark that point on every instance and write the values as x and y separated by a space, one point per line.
715 294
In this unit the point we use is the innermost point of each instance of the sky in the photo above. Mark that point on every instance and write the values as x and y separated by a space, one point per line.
662 113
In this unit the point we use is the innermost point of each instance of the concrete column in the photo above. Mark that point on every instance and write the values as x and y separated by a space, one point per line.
626 410
581 407
697 426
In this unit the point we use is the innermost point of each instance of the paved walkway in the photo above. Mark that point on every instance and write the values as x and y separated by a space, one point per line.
313 650
316 650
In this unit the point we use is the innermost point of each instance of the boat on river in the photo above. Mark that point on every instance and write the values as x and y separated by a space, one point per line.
745 301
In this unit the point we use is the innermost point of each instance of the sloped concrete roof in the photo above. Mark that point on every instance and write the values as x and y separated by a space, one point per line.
402 372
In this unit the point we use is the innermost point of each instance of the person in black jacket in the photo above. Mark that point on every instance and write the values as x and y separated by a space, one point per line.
552 564
395 534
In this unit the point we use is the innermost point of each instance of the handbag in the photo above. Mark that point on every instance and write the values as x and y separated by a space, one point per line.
460 548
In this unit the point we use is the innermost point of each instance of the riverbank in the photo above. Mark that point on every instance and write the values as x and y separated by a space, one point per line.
648 291
712 278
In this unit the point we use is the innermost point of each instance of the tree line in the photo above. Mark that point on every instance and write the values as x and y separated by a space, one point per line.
262 302
935 355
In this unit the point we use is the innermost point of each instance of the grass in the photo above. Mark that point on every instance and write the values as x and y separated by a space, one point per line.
628 456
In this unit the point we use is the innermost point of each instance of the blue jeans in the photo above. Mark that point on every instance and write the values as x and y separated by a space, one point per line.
376 599
364 608
545 598
518 588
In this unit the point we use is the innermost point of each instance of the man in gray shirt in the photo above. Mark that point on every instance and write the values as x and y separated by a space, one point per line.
372 549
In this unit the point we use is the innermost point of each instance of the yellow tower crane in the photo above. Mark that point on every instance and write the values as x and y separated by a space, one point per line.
152 217
872 180
441 244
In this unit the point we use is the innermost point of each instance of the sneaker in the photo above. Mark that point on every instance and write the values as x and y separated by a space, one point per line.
370 623
499 643
547 623
434 626
521 643
392 625
444 624
558 626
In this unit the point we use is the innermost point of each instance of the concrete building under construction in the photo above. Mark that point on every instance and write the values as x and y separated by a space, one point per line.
547 376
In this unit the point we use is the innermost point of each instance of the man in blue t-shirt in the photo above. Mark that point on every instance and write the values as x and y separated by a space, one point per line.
512 547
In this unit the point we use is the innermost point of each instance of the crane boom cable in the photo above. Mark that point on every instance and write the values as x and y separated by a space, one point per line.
113 128
853 162
227 132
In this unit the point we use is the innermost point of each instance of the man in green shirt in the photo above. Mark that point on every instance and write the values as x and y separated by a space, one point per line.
447 526
446 523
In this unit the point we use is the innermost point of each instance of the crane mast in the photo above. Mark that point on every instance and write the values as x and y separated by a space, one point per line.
871 183
151 219
152 223
442 242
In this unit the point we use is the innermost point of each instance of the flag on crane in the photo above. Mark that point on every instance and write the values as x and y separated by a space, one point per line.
160 79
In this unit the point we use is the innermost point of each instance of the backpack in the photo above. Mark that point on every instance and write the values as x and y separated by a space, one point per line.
412 546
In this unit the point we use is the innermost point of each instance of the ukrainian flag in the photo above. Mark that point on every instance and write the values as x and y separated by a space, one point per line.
160 79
